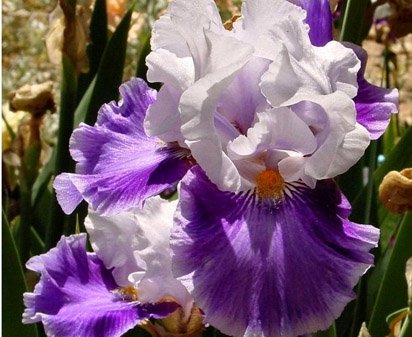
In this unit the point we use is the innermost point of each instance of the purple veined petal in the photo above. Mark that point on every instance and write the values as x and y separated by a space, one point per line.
319 19
265 268
76 295
118 166
374 105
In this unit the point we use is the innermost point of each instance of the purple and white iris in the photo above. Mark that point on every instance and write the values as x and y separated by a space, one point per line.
127 280
254 122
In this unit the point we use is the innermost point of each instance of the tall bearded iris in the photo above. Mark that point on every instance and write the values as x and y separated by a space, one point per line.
255 122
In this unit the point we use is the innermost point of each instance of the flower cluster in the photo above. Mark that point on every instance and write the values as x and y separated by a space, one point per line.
251 125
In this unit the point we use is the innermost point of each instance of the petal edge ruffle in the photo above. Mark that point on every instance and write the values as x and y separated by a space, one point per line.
76 295
269 269
118 165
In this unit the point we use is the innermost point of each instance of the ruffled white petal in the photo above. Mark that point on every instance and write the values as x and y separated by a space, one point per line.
219 84
298 74
345 140
259 27
162 119
198 105
136 246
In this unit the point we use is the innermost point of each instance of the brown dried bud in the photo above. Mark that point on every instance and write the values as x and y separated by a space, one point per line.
36 99
177 324
229 23
395 191
69 33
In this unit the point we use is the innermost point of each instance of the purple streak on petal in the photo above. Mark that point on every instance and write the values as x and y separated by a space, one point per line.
319 19
373 104
266 269
118 166
75 298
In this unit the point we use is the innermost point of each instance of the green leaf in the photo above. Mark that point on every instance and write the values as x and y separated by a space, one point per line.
391 135
105 87
31 163
392 294
12 134
137 332
98 42
406 330
63 162
37 244
142 52
353 21
13 287
43 180
350 181
331 332
83 106
28 174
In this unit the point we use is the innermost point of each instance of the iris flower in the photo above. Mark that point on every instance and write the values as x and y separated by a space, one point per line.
255 123
126 281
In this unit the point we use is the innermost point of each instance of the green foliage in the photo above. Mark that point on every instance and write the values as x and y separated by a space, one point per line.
104 88
392 293
63 162
98 42
331 332
13 286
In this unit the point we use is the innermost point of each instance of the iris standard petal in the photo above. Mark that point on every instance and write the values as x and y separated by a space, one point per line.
118 165
76 295
268 24
198 105
374 105
266 268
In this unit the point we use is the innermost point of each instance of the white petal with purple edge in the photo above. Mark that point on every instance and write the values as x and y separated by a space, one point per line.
266 268
374 105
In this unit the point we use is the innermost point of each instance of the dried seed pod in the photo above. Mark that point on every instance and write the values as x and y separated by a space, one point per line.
36 99
395 191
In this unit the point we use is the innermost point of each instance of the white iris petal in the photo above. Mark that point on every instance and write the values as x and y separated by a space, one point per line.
259 96
136 245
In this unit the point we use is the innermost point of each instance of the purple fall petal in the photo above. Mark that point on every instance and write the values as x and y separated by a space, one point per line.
373 104
118 166
75 296
267 269
319 19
